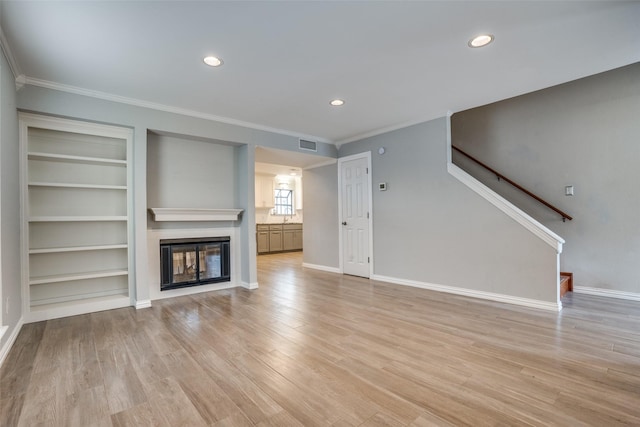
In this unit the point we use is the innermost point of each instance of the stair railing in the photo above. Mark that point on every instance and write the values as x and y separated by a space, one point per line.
564 215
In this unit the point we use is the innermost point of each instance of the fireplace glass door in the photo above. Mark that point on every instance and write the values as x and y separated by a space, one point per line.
192 262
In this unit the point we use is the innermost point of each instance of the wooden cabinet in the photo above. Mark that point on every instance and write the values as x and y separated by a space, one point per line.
278 237
275 238
292 237
76 209
264 191
262 233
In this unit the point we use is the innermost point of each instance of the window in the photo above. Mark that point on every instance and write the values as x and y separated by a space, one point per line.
284 202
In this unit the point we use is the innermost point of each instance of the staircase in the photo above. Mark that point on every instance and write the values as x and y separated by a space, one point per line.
566 283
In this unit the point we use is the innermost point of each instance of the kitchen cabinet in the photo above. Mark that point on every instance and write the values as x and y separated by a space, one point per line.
273 238
292 237
262 232
264 191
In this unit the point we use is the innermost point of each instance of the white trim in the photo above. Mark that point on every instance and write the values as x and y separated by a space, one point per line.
366 155
251 286
161 107
193 214
322 268
13 64
4 351
75 125
73 308
608 293
145 303
526 302
548 236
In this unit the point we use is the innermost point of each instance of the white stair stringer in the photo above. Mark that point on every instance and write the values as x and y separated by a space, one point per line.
535 227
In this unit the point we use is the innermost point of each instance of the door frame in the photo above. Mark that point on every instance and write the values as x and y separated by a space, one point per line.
365 155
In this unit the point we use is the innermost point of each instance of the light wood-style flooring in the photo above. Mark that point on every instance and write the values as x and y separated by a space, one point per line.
313 348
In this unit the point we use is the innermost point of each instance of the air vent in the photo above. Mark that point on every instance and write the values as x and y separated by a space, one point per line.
308 145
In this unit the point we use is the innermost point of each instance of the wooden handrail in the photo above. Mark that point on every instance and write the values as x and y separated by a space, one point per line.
516 185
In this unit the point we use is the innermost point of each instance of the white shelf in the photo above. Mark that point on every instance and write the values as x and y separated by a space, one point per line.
78 276
195 214
76 218
71 185
77 249
73 300
74 159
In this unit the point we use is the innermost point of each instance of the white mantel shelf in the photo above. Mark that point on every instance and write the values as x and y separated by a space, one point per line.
194 214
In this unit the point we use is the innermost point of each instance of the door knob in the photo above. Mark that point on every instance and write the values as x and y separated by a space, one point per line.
344 222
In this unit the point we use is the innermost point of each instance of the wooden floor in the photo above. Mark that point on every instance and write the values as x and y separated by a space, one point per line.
313 348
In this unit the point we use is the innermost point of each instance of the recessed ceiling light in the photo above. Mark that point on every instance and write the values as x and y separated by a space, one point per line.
481 40
337 102
213 61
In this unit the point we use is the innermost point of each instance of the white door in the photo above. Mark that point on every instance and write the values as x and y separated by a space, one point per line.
354 216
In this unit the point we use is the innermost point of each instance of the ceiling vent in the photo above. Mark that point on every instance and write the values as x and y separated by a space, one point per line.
308 145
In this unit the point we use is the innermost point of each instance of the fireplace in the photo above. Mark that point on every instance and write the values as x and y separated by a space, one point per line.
193 262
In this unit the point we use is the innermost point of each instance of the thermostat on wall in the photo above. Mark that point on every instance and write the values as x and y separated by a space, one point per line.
382 186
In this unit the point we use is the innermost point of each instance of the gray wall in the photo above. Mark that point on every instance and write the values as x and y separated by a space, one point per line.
428 227
584 133
9 201
187 173
320 206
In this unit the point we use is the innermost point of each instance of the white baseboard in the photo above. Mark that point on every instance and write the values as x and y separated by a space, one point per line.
145 303
250 286
609 293
322 268
526 302
4 351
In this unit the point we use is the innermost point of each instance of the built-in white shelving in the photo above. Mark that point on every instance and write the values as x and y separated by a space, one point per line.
74 159
76 218
67 185
76 249
76 213
79 276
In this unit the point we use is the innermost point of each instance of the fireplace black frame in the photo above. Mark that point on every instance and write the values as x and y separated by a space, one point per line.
167 247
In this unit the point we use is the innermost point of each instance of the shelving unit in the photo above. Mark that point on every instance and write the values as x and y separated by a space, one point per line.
76 215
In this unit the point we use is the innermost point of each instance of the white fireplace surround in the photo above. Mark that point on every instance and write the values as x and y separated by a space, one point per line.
153 243
194 214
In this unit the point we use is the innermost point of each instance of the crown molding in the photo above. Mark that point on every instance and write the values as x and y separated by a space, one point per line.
13 64
166 108
382 130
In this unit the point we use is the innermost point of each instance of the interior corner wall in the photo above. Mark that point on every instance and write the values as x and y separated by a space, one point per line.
9 203
585 134
430 228
320 231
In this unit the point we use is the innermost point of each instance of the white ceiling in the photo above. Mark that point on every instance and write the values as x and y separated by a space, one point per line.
394 62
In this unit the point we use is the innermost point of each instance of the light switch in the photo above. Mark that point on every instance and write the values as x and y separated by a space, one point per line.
568 190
